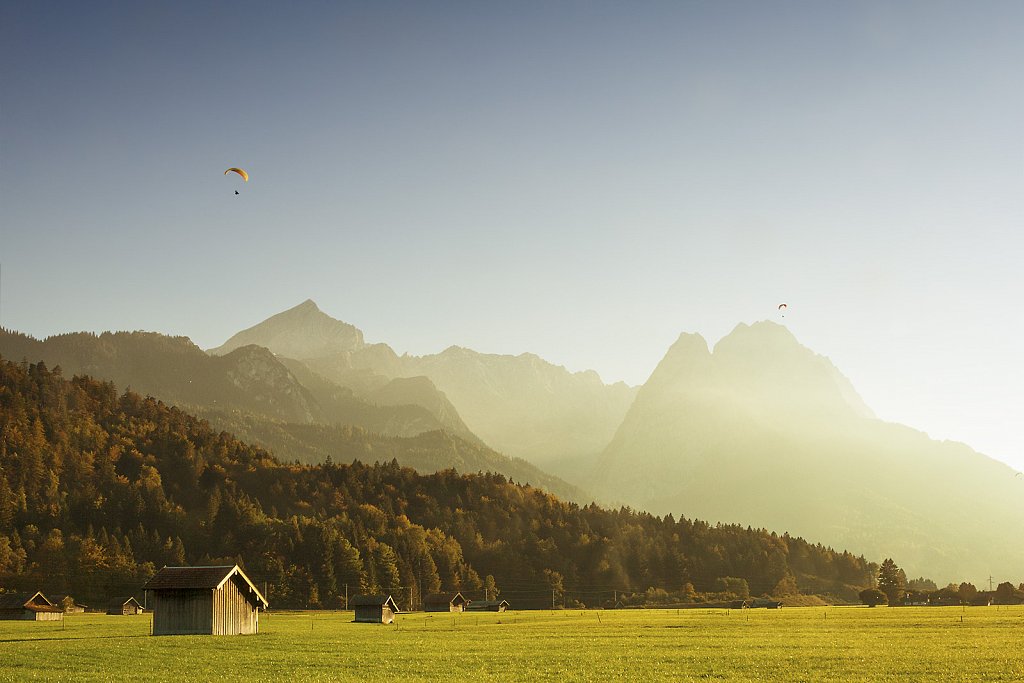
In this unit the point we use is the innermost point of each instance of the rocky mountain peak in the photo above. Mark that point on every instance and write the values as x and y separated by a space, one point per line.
301 332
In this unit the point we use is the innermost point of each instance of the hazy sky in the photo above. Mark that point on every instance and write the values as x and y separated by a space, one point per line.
580 180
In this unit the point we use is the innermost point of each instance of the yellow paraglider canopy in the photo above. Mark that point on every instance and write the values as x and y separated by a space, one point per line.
245 176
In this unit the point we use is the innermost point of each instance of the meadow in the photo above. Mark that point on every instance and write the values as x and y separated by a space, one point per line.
793 644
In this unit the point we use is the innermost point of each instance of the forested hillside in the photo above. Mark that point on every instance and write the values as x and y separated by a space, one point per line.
250 379
97 489
283 406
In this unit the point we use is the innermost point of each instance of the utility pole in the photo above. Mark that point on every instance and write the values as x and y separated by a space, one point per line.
346 597
989 583
552 599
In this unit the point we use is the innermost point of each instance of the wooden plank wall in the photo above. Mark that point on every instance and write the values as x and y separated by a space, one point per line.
233 614
370 614
182 611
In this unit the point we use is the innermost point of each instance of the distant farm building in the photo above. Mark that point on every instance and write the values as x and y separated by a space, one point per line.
216 601
67 604
444 602
375 609
488 606
29 607
765 603
124 606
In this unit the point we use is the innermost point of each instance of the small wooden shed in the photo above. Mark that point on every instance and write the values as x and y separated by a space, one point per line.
374 609
67 603
29 607
216 601
444 602
124 606
488 606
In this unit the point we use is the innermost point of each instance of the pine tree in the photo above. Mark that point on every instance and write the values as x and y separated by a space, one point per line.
891 581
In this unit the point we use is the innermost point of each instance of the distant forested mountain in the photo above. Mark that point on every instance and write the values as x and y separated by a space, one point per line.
764 431
250 379
98 488
426 452
520 405
284 406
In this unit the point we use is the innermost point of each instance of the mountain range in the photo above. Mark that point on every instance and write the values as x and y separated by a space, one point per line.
758 430
520 405
282 405
761 430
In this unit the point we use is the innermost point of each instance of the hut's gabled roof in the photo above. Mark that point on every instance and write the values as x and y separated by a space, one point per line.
58 600
487 604
36 602
444 599
200 578
373 601
119 603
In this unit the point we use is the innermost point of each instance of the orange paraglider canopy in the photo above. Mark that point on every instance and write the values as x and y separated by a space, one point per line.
245 176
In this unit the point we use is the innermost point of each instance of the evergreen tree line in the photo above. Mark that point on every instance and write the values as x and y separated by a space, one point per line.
98 489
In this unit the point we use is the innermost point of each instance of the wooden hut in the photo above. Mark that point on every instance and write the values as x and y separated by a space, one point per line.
67 603
375 609
766 603
124 606
29 607
488 606
444 602
204 600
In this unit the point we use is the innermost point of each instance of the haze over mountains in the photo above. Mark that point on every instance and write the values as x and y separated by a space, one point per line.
760 430
520 405
281 404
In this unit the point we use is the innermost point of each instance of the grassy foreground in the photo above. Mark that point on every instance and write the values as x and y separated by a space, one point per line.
794 644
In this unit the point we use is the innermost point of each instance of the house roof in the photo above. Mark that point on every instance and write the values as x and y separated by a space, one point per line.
121 602
373 601
200 578
57 598
443 598
484 604
36 602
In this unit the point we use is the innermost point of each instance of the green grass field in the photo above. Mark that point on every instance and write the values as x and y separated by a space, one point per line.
795 644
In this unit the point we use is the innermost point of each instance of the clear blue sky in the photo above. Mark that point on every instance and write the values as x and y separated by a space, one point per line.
580 180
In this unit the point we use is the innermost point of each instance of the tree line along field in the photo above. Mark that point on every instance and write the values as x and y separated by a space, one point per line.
796 644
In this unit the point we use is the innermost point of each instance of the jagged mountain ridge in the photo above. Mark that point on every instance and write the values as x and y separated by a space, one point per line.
250 379
520 405
280 403
300 332
175 370
763 431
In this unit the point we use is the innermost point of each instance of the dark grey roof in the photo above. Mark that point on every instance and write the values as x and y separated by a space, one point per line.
118 603
27 601
443 598
486 604
372 601
188 577
198 578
